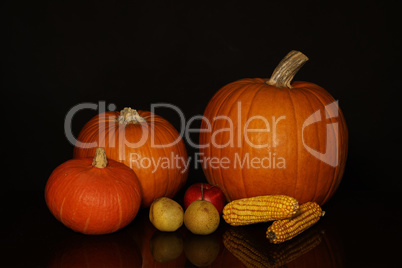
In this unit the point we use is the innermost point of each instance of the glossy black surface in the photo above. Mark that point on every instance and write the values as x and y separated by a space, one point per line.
136 53
359 229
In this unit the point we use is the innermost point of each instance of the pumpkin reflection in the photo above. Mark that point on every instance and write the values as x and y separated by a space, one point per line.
115 250
317 247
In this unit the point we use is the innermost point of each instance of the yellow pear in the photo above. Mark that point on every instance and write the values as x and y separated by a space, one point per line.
201 217
166 214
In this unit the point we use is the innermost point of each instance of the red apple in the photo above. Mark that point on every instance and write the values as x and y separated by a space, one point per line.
205 191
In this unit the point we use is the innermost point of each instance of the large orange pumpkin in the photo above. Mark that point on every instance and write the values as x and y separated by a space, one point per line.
93 196
145 142
270 136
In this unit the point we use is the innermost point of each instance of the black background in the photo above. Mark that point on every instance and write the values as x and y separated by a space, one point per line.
136 53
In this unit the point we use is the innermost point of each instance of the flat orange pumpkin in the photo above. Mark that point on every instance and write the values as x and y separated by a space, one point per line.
93 195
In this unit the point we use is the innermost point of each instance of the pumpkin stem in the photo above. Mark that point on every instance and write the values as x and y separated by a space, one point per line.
100 159
129 116
287 69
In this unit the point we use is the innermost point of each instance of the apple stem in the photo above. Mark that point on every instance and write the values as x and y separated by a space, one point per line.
202 191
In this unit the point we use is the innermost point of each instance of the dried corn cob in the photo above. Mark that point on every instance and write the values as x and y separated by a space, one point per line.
286 229
260 209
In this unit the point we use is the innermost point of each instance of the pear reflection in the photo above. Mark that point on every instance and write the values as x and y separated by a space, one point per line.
158 249
166 246
115 250
317 247
201 250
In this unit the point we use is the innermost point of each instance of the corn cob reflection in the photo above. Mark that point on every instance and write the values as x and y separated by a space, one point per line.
253 254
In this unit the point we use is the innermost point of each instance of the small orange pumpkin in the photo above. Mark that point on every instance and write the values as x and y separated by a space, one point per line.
93 196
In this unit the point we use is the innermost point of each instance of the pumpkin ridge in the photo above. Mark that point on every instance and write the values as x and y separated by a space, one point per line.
106 133
241 148
66 182
154 184
109 170
111 133
301 90
120 208
114 136
225 99
181 149
168 170
67 195
228 94
86 224
335 172
248 114
297 139
118 199
91 135
123 184
61 210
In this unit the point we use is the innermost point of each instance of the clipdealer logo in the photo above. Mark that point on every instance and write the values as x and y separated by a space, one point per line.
331 154
270 161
